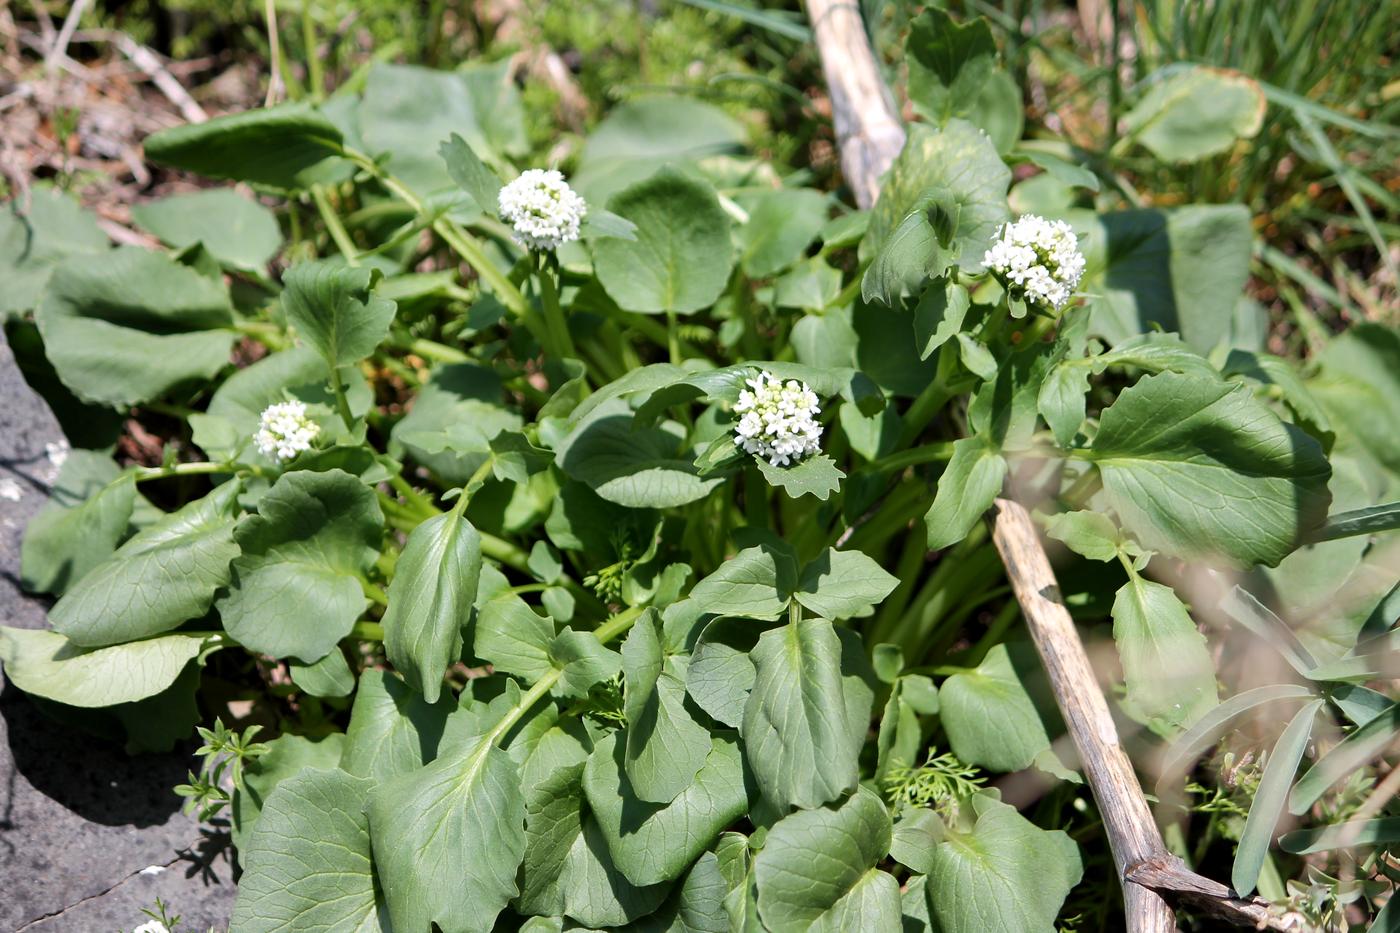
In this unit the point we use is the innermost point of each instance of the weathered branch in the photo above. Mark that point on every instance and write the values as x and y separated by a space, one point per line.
1169 876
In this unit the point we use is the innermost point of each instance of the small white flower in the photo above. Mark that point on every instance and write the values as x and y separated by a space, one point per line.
777 420
542 208
285 431
154 926
1038 260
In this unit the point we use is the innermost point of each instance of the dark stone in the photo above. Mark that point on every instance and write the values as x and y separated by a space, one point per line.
88 835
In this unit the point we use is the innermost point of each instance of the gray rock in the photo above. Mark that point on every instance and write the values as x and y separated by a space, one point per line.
88 835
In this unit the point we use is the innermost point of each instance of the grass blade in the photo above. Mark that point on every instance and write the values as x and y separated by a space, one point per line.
1269 800
1207 729
1360 522
1380 831
1352 752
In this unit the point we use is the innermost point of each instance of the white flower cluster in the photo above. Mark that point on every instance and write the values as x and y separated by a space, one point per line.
542 208
1037 259
777 420
284 430
154 926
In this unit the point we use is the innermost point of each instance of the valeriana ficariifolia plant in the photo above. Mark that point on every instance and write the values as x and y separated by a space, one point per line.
569 530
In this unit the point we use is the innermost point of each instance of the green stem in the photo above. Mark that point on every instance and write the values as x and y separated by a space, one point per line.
187 469
419 502
342 402
554 320
606 632
927 453
673 342
315 74
374 592
337 230
441 352
367 631
925 407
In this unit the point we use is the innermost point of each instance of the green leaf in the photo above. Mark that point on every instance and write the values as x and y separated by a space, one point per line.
329 677
596 894
553 822
990 717
1181 270
599 224
665 745
720 674
1366 521
159 579
1196 112
755 583
1005 874
237 231
1061 400
448 838
948 64
967 488
782 224
286 756
513 637
296 586
393 730
87 514
797 892
816 476
277 146
35 235
471 174
1257 485
1088 534
956 167
307 864
1166 662
696 907
651 843
812 285
843 584
432 592
582 661
1187 749
1067 173
1377 832
800 736
333 311
976 357
939 315
681 258
408 111
634 466
47 665
454 419
129 325
1355 751
1269 799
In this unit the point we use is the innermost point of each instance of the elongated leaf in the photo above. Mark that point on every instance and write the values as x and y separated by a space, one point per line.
796 891
46 664
652 843
333 310
470 173
720 674
277 146
307 864
432 592
939 315
1006 874
35 234
1257 485
966 490
296 590
1269 799
1206 730
1240 605
665 745
129 325
1360 522
1375 832
797 729
159 579
681 257
1355 751
448 838
1166 661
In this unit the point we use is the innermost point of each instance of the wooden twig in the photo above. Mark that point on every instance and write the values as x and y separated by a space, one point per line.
1169 876
868 133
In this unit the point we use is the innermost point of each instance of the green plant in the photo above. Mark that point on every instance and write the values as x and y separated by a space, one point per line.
578 576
